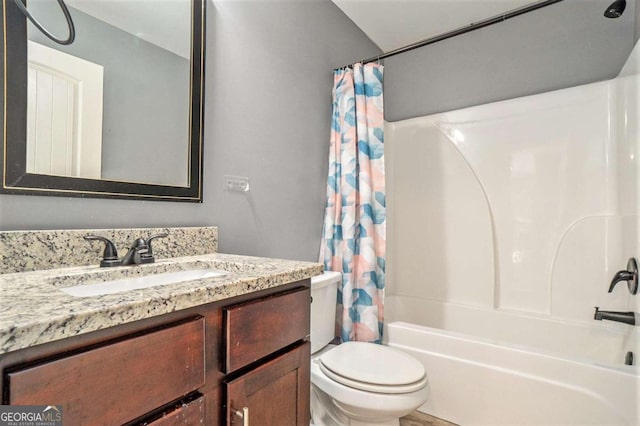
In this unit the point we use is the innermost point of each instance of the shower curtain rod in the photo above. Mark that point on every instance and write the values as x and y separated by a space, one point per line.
463 30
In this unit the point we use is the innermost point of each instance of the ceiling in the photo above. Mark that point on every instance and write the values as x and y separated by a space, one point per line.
395 23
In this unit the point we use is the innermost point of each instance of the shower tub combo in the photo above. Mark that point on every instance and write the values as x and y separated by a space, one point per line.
506 223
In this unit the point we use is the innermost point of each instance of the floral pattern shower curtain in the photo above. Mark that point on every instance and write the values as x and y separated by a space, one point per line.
354 226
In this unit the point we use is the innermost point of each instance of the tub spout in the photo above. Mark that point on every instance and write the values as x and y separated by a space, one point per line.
630 318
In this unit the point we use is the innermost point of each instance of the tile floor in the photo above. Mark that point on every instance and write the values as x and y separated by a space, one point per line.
420 419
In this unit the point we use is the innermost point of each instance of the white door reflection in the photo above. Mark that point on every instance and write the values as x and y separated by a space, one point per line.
64 114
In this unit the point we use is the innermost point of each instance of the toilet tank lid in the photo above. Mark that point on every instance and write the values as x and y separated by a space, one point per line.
325 279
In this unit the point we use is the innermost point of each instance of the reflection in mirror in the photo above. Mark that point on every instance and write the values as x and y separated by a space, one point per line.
115 103
117 113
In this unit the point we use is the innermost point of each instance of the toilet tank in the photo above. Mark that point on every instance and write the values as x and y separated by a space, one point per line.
324 293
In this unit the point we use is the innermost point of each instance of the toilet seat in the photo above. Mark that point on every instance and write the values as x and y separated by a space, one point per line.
373 368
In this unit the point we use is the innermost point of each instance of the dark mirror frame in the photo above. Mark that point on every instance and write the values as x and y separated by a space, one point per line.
15 179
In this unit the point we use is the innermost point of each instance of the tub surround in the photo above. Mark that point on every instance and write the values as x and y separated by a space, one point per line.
35 311
551 180
22 251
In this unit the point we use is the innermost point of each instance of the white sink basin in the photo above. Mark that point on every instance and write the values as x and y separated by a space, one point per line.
127 284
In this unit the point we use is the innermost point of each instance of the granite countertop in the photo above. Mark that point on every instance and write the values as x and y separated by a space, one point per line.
33 309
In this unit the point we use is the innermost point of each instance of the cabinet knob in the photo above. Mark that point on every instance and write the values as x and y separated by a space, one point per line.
244 415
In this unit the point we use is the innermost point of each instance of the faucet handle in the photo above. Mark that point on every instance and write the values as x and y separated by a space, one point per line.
630 275
110 255
151 238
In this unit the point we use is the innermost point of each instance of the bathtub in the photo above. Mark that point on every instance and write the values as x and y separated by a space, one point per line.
489 367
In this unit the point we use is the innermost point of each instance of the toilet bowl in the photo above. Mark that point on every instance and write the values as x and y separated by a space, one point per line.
357 383
338 399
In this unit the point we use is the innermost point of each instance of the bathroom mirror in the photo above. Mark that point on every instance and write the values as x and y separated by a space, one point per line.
118 113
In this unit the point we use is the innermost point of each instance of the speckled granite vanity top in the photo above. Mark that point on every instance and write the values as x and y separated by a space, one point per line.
33 309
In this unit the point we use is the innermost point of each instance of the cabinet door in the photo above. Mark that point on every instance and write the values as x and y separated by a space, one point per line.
275 393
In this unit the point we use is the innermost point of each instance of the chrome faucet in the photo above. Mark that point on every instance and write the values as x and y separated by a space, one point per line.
631 318
140 251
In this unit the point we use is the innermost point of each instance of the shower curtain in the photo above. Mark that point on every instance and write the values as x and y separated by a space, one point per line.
354 225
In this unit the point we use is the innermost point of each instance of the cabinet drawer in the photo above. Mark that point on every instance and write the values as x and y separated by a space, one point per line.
258 328
191 414
117 382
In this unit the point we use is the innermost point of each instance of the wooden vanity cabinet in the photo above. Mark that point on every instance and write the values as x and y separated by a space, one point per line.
191 367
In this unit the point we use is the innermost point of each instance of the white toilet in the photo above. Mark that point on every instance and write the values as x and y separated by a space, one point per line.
357 383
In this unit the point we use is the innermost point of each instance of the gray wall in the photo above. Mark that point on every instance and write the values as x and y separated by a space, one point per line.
268 112
562 45
636 33
146 97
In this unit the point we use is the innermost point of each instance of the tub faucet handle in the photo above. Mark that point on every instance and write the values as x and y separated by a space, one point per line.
630 275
